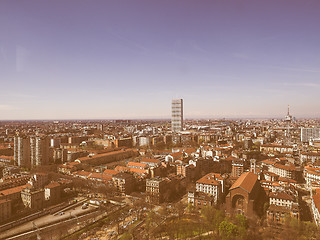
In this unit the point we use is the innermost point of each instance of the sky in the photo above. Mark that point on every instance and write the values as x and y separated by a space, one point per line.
114 59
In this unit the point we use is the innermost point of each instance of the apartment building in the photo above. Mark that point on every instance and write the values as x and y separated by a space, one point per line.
212 184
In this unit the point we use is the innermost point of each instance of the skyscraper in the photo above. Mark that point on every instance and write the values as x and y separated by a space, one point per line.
22 151
177 115
31 151
39 150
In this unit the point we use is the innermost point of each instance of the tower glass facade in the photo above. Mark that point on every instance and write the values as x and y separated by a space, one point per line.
177 115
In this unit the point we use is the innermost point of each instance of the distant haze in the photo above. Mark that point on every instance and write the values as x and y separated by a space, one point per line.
127 59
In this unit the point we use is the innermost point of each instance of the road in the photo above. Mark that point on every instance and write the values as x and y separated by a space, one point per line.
45 220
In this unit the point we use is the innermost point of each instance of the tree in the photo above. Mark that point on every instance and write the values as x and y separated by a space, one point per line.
180 208
228 230
242 223
190 208
212 216
126 236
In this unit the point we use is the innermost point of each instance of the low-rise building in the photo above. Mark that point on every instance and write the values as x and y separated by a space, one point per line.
245 196
237 167
137 165
150 162
309 157
13 194
281 199
52 192
287 171
155 189
312 175
33 198
315 205
278 214
273 148
124 182
200 199
212 184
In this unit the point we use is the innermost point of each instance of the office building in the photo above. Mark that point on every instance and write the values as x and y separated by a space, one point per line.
177 115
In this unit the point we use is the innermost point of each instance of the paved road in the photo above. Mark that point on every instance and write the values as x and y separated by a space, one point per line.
42 221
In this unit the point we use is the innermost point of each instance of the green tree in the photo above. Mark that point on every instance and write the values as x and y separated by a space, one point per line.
242 223
212 216
126 236
310 231
227 230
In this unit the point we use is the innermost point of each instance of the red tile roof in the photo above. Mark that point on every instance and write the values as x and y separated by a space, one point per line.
110 172
137 164
98 176
12 190
210 178
281 195
246 181
82 173
149 160
52 185
316 200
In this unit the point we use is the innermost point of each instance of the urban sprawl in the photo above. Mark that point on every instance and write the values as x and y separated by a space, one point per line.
160 179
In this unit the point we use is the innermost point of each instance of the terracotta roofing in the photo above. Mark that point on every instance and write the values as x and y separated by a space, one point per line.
312 170
190 150
176 155
285 167
110 172
149 160
273 145
82 173
102 155
122 168
288 180
7 157
316 200
12 190
246 181
230 158
281 195
98 176
136 164
270 174
210 178
269 161
52 185
137 170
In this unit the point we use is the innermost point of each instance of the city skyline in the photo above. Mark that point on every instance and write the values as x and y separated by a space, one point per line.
128 59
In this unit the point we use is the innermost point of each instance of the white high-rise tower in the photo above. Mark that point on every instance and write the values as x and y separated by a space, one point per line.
177 115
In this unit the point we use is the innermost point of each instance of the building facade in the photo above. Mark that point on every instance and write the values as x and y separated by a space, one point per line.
309 134
155 188
245 196
22 151
177 115
39 150
211 184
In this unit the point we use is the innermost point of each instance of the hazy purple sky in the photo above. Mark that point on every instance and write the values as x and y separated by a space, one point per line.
66 59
